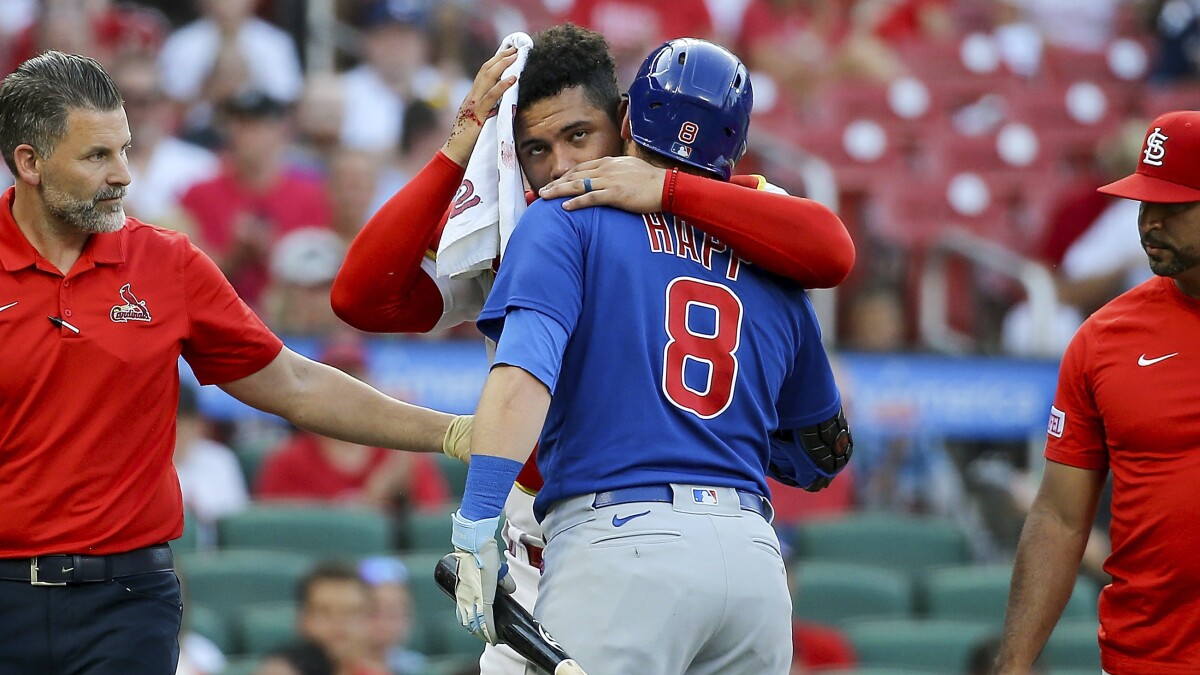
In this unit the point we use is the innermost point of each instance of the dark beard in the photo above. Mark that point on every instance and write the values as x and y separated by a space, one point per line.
1175 263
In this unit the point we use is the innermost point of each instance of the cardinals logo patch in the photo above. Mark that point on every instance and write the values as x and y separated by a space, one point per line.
132 309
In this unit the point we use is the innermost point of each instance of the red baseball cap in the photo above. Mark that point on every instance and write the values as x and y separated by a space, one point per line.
1167 172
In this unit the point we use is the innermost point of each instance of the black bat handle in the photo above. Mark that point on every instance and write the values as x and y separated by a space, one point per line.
517 628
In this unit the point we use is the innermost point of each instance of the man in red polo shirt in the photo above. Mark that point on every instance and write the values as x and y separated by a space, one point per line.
257 197
1128 402
95 310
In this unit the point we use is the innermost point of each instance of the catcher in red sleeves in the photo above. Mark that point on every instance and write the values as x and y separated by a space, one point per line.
568 144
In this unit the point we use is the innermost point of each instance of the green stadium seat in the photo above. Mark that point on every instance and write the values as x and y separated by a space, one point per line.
864 670
316 530
980 593
228 581
208 623
449 665
425 531
257 440
455 473
427 596
1073 644
909 544
267 626
188 542
436 631
450 639
933 646
832 592
240 666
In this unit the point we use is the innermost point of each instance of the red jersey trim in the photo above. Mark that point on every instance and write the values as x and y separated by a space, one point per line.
529 480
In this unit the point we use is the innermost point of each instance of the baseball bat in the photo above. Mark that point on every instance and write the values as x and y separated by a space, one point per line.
516 627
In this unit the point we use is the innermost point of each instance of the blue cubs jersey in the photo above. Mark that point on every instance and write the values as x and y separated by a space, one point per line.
681 357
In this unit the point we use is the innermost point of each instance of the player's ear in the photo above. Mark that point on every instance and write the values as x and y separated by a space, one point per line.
29 167
623 117
626 130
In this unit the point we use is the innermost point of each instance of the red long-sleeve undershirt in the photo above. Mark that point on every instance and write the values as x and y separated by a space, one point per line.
380 287
797 238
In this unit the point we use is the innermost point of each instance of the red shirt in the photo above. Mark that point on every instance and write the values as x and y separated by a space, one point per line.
1129 400
298 470
793 506
815 645
295 200
87 419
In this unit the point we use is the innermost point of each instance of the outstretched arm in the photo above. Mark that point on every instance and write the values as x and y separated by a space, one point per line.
324 400
797 238
381 287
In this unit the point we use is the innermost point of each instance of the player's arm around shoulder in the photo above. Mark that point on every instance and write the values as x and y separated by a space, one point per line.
791 236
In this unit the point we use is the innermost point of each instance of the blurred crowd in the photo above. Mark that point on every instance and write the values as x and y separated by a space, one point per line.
270 131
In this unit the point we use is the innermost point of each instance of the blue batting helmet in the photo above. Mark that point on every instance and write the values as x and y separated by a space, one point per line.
691 101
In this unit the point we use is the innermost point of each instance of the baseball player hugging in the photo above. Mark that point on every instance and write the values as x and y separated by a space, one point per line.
663 379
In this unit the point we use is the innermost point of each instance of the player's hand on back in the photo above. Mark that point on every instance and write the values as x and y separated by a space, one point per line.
483 97
481 572
626 183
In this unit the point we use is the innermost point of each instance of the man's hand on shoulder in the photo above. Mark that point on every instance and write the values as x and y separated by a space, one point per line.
626 183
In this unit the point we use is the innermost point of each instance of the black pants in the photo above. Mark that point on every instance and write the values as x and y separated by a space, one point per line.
127 626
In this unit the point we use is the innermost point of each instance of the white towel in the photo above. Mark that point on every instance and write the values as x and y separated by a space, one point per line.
479 233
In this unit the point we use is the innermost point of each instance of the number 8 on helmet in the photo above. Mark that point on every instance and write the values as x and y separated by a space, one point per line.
691 102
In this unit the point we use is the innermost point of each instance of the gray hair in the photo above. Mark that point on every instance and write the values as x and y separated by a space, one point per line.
37 97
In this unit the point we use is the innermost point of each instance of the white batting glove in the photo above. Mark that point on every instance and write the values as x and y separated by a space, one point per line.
480 572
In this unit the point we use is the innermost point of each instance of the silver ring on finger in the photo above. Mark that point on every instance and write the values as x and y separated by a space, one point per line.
587 185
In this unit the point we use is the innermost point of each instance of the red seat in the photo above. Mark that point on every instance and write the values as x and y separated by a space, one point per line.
1158 99
906 212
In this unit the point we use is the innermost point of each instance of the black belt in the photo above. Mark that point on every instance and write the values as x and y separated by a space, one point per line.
60 570
665 493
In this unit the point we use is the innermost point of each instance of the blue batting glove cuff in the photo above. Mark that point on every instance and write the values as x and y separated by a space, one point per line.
469 535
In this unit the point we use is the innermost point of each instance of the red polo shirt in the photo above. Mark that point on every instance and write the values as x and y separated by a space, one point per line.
1128 401
87 419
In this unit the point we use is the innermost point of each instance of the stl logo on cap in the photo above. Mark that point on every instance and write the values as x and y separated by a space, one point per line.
1154 148
1156 180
